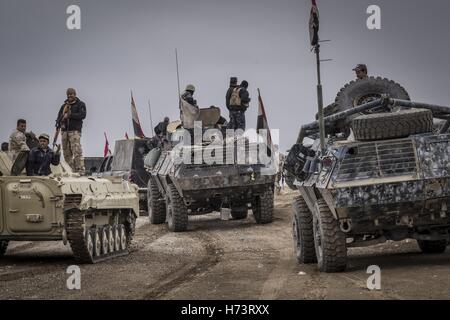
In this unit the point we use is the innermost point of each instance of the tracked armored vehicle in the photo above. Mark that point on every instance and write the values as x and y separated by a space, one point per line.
95 216
177 190
388 180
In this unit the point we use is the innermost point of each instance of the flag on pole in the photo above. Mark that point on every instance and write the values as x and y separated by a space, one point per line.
135 117
314 24
106 150
126 136
262 123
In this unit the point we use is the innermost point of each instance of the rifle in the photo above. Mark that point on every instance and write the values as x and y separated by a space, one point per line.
59 123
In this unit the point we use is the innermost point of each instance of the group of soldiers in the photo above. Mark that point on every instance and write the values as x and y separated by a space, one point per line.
237 101
73 112
38 160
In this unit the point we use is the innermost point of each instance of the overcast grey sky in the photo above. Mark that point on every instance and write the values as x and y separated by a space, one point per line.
126 45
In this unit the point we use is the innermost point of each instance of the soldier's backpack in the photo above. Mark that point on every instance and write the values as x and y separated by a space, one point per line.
235 99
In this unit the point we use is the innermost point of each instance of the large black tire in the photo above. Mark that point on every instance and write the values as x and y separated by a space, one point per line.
3 247
381 126
239 213
156 203
358 92
329 240
177 214
430 246
263 207
361 91
302 232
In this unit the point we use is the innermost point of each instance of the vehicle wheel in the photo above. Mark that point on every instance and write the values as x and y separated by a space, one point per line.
156 204
110 235
381 126
104 240
362 91
89 243
302 231
97 242
239 213
359 92
432 246
123 238
329 240
116 238
3 247
263 207
177 215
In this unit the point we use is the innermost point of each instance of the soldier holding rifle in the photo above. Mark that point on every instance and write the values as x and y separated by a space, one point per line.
70 123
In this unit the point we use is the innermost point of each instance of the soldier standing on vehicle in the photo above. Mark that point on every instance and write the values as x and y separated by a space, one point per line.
42 157
239 103
18 140
5 146
70 122
361 71
161 128
233 84
189 110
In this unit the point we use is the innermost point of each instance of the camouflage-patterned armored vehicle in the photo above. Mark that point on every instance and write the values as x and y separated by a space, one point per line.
388 180
96 216
177 190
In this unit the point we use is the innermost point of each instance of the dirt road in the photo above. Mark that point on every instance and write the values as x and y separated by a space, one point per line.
219 259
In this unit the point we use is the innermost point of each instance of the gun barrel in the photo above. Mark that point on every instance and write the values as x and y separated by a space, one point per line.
313 126
411 104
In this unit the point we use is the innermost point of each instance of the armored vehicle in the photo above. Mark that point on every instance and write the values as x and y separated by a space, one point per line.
388 180
179 189
95 216
127 162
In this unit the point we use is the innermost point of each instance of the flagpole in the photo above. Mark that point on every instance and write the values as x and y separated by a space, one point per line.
151 121
320 100
178 81
315 42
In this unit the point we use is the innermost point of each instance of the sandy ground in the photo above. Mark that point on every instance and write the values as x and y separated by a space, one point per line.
219 259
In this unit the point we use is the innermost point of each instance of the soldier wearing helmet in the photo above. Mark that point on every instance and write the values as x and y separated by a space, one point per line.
189 108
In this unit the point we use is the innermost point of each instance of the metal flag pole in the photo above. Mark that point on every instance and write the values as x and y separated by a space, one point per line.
178 81
315 43
320 100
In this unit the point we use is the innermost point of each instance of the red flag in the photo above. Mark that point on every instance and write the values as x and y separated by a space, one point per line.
106 150
126 136
314 24
262 123
136 123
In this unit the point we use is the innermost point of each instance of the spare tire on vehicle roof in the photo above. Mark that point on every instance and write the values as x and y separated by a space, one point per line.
392 125
361 91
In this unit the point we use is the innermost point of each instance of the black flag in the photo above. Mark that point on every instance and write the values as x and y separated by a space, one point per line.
314 24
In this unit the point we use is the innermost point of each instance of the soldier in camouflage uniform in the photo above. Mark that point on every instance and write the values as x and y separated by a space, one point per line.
5 146
280 177
70 121
18 140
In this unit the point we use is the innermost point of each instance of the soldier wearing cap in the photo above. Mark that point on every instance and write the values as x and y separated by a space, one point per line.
42 157
70 121
361 71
